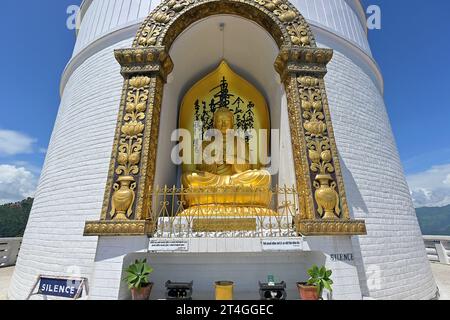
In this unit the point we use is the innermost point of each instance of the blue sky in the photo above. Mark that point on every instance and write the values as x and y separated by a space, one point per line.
412 49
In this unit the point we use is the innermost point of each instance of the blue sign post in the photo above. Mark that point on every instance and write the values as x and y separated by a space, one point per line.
70 288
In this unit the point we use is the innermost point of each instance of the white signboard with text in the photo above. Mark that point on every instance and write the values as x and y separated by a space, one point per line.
282 244
167 245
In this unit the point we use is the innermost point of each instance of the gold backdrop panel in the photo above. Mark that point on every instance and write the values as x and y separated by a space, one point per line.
240 93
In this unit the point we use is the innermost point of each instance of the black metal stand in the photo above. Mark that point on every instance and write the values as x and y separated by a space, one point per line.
179 290
276 291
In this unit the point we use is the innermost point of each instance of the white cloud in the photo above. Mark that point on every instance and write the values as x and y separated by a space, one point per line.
447 180
16 183
12 143
431 188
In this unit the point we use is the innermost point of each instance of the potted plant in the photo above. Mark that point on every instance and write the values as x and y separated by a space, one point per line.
137 279
318 281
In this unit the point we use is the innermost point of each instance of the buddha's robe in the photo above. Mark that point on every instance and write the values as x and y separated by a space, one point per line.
233 183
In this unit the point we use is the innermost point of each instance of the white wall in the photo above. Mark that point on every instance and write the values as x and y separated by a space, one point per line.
376 188
73 179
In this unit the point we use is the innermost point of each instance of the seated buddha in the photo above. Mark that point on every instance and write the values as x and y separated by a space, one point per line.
231 185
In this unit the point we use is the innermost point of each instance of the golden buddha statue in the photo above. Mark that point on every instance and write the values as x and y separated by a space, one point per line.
230 186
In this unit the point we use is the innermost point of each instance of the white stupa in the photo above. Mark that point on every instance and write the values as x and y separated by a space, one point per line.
388 263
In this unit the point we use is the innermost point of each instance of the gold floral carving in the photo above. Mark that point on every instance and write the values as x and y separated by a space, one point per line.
319 149
299 35
130 147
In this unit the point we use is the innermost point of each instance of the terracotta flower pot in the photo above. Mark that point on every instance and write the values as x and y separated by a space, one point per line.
308 292
142 293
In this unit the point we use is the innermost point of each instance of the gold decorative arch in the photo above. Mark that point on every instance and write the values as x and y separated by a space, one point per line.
279 17
302 67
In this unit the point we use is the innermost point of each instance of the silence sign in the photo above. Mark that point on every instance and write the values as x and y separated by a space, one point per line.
60 287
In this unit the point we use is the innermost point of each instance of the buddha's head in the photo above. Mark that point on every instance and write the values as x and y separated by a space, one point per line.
223 120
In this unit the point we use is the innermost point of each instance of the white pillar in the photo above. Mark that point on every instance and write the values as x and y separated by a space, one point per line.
339 258
106 280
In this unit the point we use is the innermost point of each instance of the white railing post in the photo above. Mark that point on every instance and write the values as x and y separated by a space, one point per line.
9 249
438 249
442 253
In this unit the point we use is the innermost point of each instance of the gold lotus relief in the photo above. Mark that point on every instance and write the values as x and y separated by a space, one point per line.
308 81
133 128
139 82
314 124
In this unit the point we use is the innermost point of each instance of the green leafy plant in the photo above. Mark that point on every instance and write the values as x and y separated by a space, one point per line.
137 274
320 278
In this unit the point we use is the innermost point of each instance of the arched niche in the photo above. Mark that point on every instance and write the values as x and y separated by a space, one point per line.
301 66
254 63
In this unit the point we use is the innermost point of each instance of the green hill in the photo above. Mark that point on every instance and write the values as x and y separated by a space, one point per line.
14 217
434 221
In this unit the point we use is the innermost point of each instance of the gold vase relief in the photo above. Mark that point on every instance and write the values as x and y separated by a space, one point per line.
318 143
123 198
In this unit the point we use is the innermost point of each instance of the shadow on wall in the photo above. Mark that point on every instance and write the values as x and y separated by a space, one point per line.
354 197
356 203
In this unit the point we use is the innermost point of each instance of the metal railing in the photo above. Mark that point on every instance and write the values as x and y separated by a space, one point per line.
9 250
438 248
225 212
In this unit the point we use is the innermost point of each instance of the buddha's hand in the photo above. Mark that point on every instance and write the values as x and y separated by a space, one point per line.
211 168
239 168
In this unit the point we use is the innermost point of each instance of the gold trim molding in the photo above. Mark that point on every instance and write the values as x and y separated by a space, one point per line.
302 67
224 225
118 228
153 60
331 227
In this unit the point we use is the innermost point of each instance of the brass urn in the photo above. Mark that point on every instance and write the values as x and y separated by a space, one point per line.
123 198
326 197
